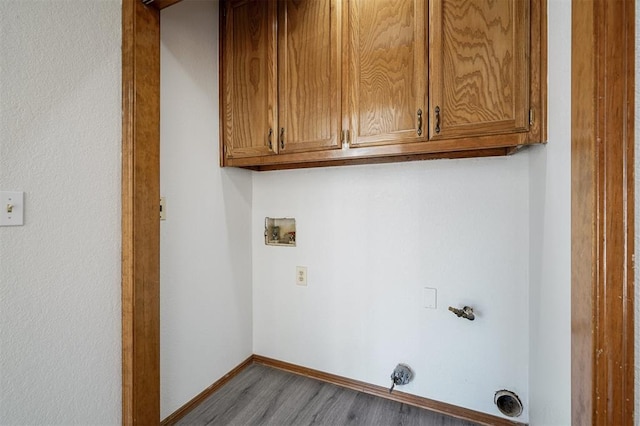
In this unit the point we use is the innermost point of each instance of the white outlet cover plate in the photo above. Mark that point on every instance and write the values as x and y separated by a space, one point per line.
301 275
430 298
16 201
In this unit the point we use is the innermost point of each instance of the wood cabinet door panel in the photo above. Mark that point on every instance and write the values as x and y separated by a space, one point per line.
249 78
479 67
309 74
387 72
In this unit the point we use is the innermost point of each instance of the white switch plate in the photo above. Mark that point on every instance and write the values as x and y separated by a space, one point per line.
430 298
301 275
11 208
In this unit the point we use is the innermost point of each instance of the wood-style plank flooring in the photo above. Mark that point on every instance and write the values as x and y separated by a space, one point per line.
262 395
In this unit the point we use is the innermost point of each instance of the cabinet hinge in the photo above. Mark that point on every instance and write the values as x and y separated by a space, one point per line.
226 151
531 117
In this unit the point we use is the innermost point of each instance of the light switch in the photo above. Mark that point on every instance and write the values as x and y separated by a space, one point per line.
11 208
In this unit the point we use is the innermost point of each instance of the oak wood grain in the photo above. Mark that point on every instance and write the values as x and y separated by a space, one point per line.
309 66
479 71
386 81
383 69
392 150
249 81
602 212
140 218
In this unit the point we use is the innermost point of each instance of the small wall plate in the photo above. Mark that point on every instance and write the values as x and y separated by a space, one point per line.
11 208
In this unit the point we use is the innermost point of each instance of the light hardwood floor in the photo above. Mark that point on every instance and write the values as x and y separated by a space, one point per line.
261 395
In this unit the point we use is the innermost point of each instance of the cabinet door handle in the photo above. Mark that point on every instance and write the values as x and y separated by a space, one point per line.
419 122
282 138
437 111
269 137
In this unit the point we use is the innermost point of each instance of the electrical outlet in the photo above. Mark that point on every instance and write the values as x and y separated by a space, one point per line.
301 275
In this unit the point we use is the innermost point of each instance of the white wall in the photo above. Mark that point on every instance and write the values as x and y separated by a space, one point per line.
205 272
550 295
60 142
492 233
372 238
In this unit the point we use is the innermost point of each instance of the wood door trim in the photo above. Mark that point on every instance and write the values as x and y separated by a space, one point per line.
140 217
602 225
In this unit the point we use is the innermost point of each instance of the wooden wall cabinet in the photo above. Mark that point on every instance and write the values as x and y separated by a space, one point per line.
310 83
309 75
479 70
280 77
386 78
249 114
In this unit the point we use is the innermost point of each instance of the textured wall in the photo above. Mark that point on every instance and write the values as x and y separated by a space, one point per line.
205 243
550 296
60 140
372 238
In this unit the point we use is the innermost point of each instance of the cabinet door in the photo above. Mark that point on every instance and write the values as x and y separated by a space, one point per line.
478 71
309 75
249 78
387 73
